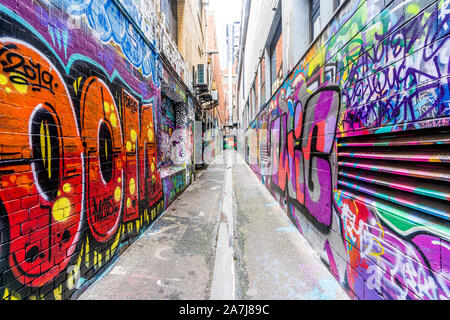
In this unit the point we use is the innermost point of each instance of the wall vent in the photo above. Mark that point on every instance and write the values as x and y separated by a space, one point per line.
409 171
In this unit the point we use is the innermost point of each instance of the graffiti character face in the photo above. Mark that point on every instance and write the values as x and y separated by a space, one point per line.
40 171
180 147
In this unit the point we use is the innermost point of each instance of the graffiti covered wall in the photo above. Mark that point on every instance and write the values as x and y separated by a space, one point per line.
229 143
354 146
79 104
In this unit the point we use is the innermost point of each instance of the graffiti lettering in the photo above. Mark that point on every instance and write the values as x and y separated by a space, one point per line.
24 73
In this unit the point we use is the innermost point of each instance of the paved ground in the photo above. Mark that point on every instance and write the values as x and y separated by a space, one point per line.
274 260
223 238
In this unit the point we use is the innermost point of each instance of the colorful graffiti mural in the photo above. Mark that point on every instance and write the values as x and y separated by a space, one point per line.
110 24
167 126
229 143
353 147
174 184
79 114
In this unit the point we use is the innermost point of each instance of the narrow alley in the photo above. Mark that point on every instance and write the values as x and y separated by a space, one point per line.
181 256
212 150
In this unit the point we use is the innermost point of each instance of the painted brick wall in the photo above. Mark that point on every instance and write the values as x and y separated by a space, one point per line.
354 146
79 101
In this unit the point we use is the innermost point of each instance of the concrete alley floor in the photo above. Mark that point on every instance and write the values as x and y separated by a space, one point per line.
225 237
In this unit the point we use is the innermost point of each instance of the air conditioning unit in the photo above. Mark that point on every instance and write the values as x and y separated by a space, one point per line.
202 75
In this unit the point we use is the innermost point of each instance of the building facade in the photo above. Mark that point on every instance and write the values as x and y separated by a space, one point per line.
232 40
344 116
218 87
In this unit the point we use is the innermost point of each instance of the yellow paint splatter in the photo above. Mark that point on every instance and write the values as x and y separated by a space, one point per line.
153 167
129 146
117 194
100 258
146 217
78 264
138 226
132 186
413 9
70 281
151 136
115 243
76 84
49 152
133 135
128 203
86 255
57 292
113 120
42 138
8 90
106 107
7 296
3 79
67 188
21 88
46 147
61 209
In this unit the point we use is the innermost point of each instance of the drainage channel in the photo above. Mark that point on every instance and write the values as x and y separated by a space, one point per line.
223 285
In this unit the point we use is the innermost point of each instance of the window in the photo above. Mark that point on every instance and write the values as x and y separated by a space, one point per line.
256 90
247 116
252 102
276 55
315 18
337 3
262 73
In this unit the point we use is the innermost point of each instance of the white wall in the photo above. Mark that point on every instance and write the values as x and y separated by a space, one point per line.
262 25
259 25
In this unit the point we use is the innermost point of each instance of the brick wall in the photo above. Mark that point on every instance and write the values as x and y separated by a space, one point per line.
217 71
191 32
